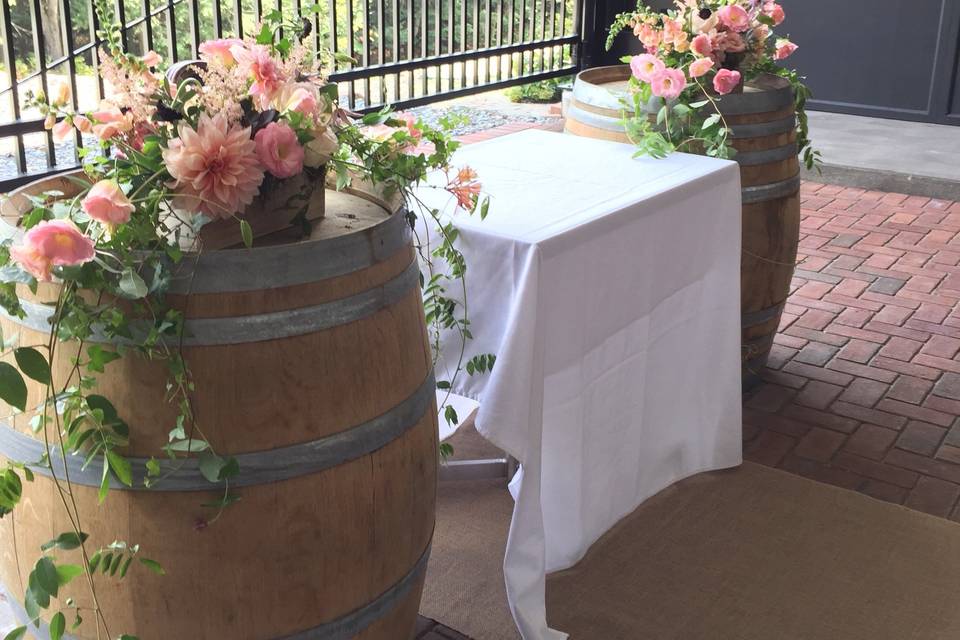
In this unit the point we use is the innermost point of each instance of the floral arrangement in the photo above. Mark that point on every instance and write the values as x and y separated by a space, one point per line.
175 154
696 53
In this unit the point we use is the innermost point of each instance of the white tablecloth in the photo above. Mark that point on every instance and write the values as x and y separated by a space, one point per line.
609 289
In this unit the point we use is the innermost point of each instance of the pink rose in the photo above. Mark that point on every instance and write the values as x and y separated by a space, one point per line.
151 59
774 11
646 66
784 49
730 41
278 150
106 203
668 84
701 45
726 81
300 97
219 51
49 244
700 67
734 17
62 130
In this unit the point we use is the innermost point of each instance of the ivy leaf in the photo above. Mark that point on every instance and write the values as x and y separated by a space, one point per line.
247 233
153 565
32 363
210 465
13 390
58 624
99 358
132 285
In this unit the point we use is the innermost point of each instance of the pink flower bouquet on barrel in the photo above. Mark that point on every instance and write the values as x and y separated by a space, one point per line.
696 53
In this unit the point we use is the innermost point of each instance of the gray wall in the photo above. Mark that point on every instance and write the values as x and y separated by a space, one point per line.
886 58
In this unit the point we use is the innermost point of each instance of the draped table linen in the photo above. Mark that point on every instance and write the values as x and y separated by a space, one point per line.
609 289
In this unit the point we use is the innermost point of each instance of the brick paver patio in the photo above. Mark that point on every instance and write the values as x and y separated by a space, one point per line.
863 386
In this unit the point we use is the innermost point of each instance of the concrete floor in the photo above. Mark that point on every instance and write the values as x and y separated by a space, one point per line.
888 155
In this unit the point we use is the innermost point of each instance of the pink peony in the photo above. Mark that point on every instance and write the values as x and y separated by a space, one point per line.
49 244
214 168
645 67
668 84
701 45
62 130
700 67
106 203
220 51
774 11
784 49
279 151
265 72
726 81
734 17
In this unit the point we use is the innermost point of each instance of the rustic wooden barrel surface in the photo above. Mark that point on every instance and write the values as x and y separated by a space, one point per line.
763 123
595 109
313 368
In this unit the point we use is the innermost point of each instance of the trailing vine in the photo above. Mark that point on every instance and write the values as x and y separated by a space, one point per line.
98 267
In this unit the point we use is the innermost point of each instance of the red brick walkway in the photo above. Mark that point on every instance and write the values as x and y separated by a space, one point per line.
863 388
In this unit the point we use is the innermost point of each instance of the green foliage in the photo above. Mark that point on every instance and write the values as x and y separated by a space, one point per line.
544 91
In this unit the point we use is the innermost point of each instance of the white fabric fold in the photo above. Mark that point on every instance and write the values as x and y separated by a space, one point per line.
608 288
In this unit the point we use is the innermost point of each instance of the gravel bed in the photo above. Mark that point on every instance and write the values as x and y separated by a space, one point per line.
477 119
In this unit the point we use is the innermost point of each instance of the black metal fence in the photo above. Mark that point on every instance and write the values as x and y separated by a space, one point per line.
406 53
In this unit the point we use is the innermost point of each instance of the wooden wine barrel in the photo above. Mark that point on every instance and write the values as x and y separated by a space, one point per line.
312 367
595 109
763 123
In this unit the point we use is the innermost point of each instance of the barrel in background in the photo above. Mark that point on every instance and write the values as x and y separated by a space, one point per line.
763 123
312 367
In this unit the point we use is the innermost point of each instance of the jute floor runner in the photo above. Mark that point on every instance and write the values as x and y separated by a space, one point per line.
748 554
